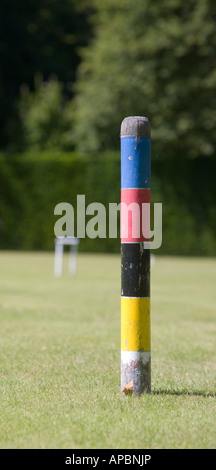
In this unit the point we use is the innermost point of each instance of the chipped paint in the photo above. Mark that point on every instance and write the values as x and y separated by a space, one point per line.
136 367
129 388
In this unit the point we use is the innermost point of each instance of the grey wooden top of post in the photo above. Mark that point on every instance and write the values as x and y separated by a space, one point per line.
135 126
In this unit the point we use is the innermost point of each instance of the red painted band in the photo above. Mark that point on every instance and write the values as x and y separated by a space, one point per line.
135 215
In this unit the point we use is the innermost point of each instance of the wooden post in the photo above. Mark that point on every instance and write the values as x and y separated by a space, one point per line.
135 260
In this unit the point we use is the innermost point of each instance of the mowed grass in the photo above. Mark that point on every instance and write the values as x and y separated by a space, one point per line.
60 356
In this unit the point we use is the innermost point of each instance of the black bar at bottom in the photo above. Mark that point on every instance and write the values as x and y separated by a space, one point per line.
98 458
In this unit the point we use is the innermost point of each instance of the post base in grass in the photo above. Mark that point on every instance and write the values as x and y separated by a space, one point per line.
135 372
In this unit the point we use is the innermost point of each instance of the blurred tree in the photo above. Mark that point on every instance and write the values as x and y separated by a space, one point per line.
42 115
151 58
37 36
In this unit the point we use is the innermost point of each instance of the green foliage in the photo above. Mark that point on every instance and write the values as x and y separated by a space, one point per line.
112 59
44 116
33 184
150 59
37 36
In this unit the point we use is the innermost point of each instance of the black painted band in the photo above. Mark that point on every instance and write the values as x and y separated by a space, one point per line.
135 270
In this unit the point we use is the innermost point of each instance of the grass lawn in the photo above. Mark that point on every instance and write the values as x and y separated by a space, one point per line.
60 356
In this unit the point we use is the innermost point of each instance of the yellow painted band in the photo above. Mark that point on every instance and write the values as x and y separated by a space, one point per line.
135 324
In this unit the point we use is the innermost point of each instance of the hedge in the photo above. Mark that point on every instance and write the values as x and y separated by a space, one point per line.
32 185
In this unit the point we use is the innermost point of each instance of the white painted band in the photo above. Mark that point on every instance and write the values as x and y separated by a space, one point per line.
128 356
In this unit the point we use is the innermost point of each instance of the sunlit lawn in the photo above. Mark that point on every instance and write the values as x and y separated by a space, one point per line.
60 356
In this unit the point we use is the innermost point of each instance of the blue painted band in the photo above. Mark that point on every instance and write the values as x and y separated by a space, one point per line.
135 162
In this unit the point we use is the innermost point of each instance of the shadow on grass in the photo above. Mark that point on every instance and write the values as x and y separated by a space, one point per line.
196 393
